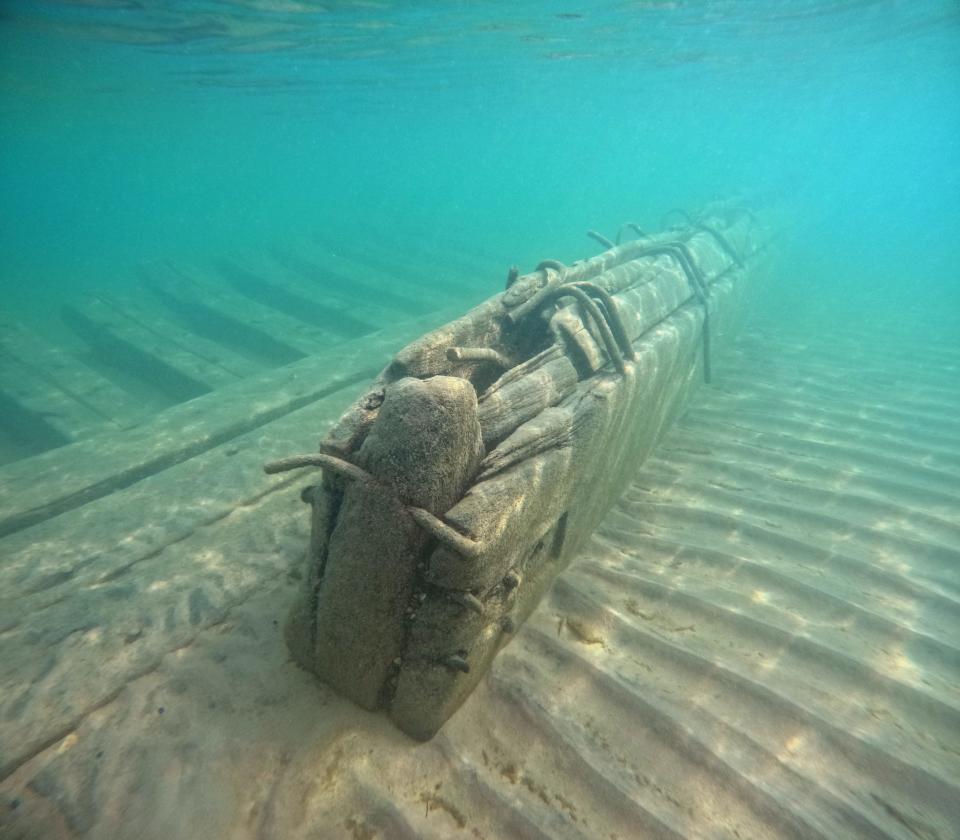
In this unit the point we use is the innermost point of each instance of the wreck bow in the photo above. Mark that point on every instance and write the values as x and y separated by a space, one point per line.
481 459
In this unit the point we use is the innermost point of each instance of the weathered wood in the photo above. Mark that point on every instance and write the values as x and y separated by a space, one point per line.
302 286
140 305
505 409
322 269
199 297
424 449
551 428
325 314
127 343
104 464
588 398
35 408
69 374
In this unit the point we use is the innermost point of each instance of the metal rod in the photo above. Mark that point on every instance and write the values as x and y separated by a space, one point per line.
439 530
591 310
327 462
601 239
612 316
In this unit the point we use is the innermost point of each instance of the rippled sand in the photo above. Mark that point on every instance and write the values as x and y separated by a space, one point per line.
762 640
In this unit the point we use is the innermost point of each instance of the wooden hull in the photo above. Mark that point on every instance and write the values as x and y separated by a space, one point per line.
482 458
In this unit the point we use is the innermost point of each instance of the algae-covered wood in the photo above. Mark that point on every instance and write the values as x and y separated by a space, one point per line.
570 377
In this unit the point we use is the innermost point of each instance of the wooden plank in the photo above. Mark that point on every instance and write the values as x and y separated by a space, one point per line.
328 266
32 400
24 432
68 373
39 488
288 277
144 310
266 286
156 359
137 521
202 298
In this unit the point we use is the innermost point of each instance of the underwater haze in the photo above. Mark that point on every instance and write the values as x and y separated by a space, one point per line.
140 130
221 219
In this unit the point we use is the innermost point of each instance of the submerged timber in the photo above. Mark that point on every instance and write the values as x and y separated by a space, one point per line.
486 453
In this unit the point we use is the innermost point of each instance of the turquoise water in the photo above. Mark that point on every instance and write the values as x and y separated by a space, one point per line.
146 130
210 210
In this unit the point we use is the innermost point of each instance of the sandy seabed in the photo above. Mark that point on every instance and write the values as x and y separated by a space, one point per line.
762 640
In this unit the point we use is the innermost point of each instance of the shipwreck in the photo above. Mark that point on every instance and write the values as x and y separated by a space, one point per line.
478 462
